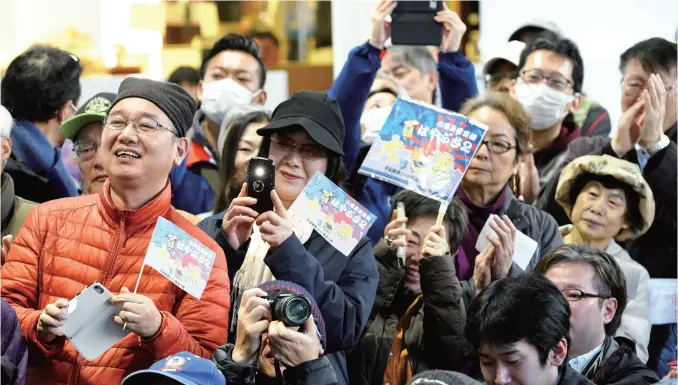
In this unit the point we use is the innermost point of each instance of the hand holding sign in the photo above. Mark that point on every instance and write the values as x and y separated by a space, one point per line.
138 313
435 244
275 226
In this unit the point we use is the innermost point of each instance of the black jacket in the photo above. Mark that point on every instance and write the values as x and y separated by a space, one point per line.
569 376
28 184
316 372
531 221
656 249
434 339
617 364
344 287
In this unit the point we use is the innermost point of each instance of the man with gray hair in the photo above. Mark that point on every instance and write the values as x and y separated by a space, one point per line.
420 75
14 209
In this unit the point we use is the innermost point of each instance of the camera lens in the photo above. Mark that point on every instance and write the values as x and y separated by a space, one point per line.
98 289
296 310
258 186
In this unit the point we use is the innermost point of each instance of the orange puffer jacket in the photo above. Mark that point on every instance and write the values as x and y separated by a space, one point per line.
67 244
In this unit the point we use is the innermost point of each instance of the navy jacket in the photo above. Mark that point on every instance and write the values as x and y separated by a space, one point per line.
351 89
32 152
13 349
344 287
191 192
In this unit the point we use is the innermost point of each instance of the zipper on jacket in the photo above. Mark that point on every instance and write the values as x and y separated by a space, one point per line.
114 252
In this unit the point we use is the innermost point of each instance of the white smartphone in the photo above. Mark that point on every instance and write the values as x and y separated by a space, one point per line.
400 208
89 324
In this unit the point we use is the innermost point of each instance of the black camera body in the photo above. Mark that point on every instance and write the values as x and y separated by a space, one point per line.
289 308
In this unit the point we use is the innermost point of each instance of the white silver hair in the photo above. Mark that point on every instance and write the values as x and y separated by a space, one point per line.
6 122
234 113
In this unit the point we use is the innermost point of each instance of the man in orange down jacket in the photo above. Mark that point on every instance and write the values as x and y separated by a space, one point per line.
67 244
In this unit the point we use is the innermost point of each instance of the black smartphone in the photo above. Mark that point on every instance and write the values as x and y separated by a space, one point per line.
260 183
413 24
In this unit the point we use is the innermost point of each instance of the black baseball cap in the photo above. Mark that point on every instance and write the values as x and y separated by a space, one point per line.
316 112
94 110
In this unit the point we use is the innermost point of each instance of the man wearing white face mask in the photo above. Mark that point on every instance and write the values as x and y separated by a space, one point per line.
549 83
232 74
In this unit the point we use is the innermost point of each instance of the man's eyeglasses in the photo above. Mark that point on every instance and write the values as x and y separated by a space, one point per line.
574 295
635 87
497 146
143 125
496 78
555 80
307 151
85 151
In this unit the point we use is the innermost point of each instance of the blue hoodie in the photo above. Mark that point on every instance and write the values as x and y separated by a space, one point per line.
351 89
30 145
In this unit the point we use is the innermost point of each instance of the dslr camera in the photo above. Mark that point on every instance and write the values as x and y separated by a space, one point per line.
289 308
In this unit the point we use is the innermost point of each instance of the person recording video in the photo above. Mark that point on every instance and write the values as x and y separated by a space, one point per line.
280 336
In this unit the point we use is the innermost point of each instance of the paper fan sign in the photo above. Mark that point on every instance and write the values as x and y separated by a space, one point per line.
424 149
334 214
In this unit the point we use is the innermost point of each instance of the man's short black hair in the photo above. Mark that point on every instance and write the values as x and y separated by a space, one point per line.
266 35
561 46
528 307
456 218
185 74
609 279
235 42
653 54
39 81
633 216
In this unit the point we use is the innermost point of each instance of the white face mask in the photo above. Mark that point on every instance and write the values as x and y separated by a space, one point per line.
545 105
218 97
374 120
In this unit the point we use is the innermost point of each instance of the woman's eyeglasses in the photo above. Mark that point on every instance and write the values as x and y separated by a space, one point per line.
497 146
307 151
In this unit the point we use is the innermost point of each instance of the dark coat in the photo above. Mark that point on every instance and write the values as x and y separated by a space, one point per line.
316 372
656 249
344 287
434 339
569 376
534 223
620 365
14 351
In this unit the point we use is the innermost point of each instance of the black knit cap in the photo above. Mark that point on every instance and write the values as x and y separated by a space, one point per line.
442 377
174 101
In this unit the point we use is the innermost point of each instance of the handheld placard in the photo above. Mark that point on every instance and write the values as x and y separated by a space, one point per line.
441 213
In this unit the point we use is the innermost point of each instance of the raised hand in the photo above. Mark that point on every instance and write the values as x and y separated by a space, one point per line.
435 244
381 29
239 219
275 226
453 29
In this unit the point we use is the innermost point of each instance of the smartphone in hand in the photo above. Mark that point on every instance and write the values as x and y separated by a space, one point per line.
260 183
413 23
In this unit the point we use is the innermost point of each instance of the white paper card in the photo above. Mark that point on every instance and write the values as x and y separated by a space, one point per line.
523 250
663 295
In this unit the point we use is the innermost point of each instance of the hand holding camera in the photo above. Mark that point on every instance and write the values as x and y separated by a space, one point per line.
254 317
292 348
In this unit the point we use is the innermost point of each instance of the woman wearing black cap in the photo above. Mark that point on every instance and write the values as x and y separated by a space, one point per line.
305 136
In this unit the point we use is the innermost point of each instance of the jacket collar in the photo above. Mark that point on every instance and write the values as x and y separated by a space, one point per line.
133 220
7 198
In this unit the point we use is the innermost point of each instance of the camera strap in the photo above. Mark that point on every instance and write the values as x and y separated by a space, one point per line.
278 372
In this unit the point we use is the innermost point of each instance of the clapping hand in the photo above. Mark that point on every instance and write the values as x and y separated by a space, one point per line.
654 98
239 219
